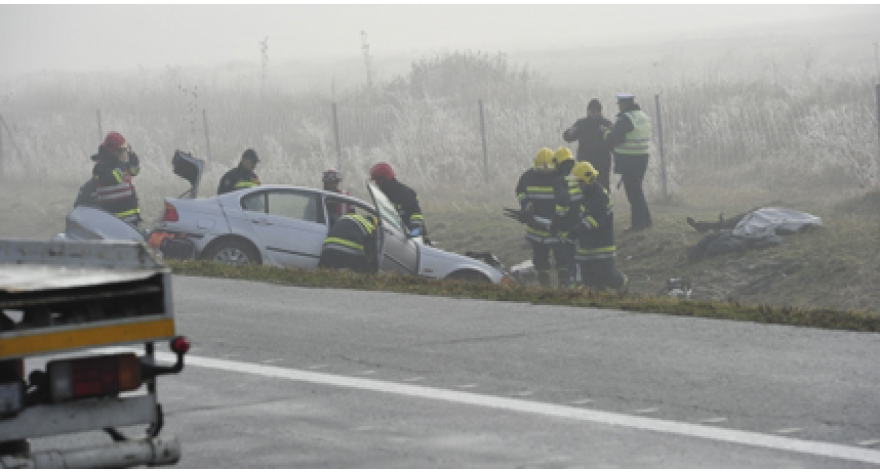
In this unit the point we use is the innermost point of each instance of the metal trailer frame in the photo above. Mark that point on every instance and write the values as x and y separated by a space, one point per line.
75 296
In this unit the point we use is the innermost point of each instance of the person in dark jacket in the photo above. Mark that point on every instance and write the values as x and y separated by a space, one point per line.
242 176
594 231
630 139
405 200
591 142
535 194
352 244
115 165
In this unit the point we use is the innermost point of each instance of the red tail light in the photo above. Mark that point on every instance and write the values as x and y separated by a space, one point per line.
170 213
93 376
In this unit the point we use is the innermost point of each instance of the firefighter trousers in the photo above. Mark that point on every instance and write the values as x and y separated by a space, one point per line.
340 260
562 254
601 274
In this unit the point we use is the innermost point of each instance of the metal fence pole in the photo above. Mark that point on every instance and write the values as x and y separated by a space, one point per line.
660 135
100 130
485 150
1 154
877 93
336 135
207 135
11 139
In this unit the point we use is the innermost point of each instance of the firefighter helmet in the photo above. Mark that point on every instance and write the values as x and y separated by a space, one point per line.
381 173
331 176
114 141
583 171
544 160
562 155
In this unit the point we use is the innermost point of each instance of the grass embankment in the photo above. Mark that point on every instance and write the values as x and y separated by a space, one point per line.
827 319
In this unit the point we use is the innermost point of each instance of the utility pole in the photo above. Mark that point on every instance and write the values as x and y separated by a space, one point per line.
366 49
264 64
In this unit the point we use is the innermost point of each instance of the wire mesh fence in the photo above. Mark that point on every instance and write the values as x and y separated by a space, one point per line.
733 134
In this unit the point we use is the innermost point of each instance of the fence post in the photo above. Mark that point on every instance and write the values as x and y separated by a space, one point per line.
207 135
660 135
1 154
483 134
100 130
11 139
336 135
877 93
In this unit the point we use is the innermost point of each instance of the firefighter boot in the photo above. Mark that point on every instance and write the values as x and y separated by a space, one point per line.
544 278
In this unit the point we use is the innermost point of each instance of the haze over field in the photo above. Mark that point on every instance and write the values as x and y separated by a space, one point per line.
305 37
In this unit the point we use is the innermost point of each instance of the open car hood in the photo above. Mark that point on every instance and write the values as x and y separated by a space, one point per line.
189 168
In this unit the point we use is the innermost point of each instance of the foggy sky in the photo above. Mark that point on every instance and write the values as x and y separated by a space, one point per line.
106 37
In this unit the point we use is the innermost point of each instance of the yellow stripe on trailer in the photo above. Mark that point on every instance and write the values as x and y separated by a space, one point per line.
41 342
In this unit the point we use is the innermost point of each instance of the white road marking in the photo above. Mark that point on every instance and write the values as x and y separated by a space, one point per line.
316 367
467 385
272 361
525 393
869 442
414 379
789 430
814 448
367 372
647 410
582 401
714 420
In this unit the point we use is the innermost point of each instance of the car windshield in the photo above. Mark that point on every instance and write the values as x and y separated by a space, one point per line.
386 209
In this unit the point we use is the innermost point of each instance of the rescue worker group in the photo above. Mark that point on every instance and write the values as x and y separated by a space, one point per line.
564 200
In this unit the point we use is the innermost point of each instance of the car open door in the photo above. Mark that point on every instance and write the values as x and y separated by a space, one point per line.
400 253
189 168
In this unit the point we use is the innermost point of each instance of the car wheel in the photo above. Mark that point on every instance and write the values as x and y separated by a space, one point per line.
233 253
468 275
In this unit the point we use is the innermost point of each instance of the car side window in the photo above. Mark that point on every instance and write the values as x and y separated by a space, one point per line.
300 206
254 202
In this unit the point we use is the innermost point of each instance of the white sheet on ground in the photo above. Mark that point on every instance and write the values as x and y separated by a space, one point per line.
774 220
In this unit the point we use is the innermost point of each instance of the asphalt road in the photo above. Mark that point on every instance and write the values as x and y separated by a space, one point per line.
304 378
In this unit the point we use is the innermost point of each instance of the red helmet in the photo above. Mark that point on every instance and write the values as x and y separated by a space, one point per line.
331 176
114 141
381 173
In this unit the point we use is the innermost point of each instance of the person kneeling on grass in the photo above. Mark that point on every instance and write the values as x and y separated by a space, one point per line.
352 244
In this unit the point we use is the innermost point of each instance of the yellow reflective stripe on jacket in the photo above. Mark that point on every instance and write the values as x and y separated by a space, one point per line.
128 213
539 192
636 141
591 223
596 251
521 197
365 224
538 232
118 175
245 184
343 242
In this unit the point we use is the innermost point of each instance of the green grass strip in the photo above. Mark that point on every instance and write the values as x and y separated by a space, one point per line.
814 318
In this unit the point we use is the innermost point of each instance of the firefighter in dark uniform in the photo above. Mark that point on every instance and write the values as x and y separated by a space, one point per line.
567 197
352 244
630 139
535 194
594 231
115 165
242 176
403 197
